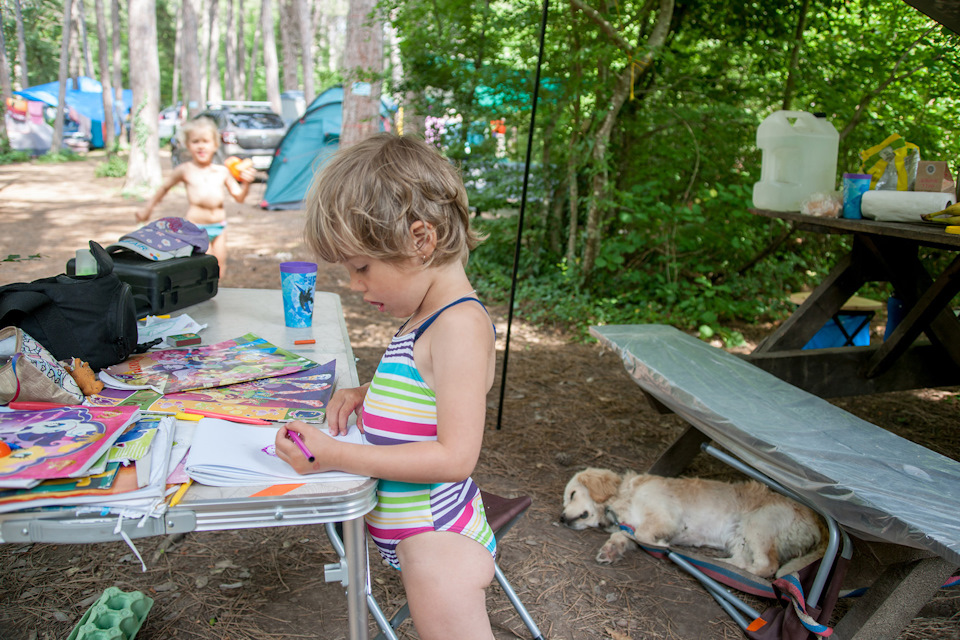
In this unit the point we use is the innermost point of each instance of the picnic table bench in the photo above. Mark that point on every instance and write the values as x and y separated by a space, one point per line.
877 486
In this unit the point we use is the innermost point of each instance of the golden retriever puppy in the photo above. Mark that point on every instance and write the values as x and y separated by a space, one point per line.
758 529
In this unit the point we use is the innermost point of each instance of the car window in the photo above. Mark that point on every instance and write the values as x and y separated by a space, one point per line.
256 120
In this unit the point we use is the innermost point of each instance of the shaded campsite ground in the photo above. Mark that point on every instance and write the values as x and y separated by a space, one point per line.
567 406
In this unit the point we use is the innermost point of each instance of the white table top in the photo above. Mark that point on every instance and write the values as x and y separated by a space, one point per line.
233 313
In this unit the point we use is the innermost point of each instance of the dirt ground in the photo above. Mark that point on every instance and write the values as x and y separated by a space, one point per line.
567 406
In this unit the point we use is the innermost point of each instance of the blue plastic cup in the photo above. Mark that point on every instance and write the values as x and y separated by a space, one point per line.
854 186
299 282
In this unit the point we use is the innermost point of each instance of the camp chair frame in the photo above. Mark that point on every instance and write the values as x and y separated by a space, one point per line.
502 513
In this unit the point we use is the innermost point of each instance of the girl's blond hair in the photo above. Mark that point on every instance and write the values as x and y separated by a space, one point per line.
364 201
199 124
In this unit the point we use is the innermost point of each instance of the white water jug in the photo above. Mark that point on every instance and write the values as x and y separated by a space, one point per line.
799 159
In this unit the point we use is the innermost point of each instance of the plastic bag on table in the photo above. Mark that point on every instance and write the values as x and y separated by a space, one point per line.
892 163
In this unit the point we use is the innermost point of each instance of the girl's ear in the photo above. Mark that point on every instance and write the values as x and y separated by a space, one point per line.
424 238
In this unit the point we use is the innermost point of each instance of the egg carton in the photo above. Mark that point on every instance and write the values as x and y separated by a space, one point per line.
116 615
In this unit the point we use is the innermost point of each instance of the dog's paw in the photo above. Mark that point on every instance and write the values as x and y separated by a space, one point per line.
613 549
608 555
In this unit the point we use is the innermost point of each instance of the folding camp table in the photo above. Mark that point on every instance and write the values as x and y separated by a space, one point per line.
233 313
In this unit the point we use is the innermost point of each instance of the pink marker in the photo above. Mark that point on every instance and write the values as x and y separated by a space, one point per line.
293 435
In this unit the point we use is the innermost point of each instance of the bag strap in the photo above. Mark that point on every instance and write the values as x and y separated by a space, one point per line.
57 331
104 260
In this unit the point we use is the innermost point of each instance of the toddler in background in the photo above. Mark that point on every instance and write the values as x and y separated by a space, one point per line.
204 182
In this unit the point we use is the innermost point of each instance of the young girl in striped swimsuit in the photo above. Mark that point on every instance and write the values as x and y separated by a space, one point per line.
394 213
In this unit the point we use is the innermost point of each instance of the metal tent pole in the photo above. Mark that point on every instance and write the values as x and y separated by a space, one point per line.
523 206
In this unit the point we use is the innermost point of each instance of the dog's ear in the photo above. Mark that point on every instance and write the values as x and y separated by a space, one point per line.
602 484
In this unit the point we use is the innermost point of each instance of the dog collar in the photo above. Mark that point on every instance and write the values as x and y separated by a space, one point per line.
627 528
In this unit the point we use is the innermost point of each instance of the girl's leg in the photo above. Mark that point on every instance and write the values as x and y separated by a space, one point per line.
218 249
445 576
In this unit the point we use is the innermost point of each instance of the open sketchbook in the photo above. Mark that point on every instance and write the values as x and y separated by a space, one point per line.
227 454
242 359
58 443
297 396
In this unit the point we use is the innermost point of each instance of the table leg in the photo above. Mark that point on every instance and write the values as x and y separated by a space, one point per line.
844 280
684 449
931 315
355 547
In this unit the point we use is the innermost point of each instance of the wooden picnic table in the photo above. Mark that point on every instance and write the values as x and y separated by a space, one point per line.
880 252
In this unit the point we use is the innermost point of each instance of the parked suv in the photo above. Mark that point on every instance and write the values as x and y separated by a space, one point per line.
244 132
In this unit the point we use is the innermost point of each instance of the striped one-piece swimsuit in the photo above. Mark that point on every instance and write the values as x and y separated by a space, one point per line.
399 407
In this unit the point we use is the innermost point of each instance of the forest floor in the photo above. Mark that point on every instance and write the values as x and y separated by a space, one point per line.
568 405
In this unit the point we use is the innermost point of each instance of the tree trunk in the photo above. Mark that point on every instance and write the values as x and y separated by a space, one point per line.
177 57
62 76
307 30
601 138
117 51
192 93
214 85
573 196
75 56
289 37
203 40
21 46
230 50
143 167
600 181
6 87
254 52
270 65
82 37
103 47
362 68
795 56
241 52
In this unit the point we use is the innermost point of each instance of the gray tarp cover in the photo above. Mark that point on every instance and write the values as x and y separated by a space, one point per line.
871 481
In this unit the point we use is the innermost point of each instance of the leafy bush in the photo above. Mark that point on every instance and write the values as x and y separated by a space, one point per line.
9 156
114 167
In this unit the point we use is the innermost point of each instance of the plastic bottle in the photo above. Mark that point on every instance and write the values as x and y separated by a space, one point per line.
799 159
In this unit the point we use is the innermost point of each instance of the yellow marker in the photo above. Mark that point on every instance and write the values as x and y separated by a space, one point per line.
953 229
164 317
193 417
179 494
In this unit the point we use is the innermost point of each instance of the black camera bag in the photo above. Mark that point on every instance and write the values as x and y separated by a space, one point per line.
88 317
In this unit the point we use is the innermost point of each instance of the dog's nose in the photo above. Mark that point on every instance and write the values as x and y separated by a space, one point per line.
565 520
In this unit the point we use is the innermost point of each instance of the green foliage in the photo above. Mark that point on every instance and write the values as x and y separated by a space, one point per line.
64 155
113 167
677 241
9 156
16 257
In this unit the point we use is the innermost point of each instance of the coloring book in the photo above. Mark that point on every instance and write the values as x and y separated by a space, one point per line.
225 454
119 489
58 443
295 396
242 359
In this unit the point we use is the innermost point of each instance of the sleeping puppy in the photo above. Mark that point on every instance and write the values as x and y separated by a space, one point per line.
760 530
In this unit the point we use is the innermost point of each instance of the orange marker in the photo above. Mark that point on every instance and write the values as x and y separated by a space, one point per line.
304 342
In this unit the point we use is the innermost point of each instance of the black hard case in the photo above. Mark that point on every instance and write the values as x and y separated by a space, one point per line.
162 286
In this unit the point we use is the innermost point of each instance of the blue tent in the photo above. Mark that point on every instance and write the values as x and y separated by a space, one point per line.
85 96
307 145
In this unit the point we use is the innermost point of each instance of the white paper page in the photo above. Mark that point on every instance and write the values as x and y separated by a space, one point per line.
232 454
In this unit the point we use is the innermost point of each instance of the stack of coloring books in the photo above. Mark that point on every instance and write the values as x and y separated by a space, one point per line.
112 459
